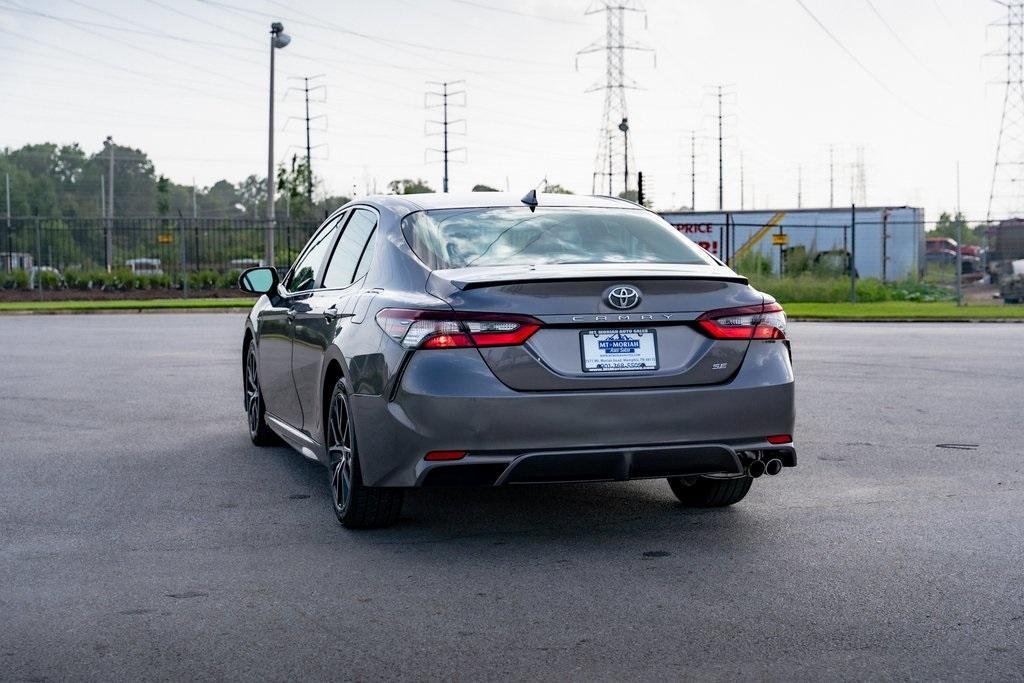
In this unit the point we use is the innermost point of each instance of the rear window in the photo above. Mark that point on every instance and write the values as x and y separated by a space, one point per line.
509 236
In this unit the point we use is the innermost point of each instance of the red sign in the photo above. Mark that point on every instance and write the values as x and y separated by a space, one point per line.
701 234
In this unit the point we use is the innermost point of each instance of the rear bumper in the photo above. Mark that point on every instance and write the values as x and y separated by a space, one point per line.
617 464
450 400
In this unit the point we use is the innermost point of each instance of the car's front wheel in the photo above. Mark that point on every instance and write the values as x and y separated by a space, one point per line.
355 505
709 492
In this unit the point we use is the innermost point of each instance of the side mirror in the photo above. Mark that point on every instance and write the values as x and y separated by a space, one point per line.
259 280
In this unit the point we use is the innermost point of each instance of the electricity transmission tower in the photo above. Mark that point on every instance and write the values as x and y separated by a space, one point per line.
1006 197
445 94
613 139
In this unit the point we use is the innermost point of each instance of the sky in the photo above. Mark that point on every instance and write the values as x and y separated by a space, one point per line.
908 83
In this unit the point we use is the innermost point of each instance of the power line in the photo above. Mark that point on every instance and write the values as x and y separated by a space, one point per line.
856 60
899 38
504 10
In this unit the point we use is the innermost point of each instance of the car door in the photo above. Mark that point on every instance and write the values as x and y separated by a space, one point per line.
276 326
325 313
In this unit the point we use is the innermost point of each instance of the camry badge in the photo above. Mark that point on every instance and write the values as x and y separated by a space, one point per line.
622 297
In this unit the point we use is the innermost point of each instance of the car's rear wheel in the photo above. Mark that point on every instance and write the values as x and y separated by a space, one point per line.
709 492
255 411
356 506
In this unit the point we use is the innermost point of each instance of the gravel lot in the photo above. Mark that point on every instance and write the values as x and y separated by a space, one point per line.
143 536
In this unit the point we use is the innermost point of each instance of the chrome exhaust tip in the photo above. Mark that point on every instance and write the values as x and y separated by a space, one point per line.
773 467
757 468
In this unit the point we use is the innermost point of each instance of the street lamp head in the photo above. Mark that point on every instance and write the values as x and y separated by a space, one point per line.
280 38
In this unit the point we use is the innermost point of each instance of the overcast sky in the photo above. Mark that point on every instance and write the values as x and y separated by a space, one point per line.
186 81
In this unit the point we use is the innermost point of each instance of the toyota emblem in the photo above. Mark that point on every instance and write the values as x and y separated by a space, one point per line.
622 297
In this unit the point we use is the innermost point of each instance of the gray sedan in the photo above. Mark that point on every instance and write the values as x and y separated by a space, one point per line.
488 340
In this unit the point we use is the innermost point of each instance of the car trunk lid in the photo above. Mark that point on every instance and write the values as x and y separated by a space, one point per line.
584 338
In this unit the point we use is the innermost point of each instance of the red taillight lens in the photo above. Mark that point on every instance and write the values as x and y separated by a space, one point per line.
766 321
444 455
425 329
780 438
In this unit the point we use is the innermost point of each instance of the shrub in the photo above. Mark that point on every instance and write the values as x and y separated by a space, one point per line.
807 288
14 279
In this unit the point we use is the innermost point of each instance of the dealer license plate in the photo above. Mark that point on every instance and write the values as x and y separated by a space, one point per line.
619 350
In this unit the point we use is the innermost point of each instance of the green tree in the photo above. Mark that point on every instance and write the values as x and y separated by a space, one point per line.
948 225
407 186
631 195
163 201
555 189
485 188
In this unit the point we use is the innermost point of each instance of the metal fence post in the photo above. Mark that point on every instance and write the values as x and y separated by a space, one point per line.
184 256
853 253
35 266
959 261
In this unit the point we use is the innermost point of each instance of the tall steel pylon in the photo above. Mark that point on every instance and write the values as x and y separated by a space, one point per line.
613 154
1006 198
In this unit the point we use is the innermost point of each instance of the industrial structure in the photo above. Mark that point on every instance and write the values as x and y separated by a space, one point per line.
881 242
613 155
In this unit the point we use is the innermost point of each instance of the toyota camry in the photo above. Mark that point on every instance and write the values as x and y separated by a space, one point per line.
492 340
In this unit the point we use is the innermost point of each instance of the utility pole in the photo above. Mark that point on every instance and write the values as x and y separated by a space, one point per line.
278 40
195 206
799 186
7 183
610 167
831 178
693 171
445 122
103 196
742 193
306 90
309 149
614 45
445 107
721 195
959 244
624 127
110 207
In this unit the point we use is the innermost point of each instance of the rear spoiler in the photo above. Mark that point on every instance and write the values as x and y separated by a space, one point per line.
475 278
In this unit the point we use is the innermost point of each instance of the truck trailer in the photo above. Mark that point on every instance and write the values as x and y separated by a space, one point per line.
885 242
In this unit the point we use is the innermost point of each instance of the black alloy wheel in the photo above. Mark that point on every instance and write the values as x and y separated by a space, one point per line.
356 506
255 411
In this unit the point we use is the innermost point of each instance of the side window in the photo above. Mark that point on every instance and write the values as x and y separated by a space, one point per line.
367 258
342 268
307 269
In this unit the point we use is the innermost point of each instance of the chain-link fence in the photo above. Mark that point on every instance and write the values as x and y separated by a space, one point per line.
105 257
146 244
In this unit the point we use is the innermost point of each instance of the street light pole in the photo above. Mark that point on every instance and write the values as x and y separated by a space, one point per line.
278 39
624 127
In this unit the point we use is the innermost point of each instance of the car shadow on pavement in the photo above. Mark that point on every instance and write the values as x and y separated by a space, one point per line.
581 514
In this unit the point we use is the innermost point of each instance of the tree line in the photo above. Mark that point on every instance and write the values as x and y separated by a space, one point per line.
64 181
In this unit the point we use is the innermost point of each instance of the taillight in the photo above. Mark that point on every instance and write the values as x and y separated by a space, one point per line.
423 329
767 321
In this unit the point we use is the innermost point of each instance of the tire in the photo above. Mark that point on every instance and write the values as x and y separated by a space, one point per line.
356 506
255 410
702 492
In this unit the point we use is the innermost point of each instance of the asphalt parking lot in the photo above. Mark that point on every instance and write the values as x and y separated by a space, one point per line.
143 536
